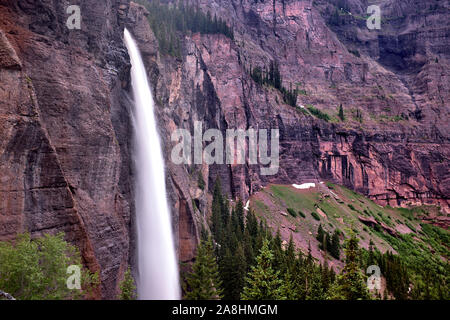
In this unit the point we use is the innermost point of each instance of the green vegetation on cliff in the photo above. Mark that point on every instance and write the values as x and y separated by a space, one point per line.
272 77
412 255
255 264
170 22
38 269
127 287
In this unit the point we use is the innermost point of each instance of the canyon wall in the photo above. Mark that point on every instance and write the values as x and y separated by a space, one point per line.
393 145
396 153
65 132
396 79
65 112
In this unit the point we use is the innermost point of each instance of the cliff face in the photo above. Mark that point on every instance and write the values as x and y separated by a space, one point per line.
65 112
65 131
396 79
392 83
397 154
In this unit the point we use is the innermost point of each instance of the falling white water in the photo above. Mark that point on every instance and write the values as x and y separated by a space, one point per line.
157 263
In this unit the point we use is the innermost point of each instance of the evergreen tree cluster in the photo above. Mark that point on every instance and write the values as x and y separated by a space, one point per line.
171 21
392 269
271 76
351 283
397 280
238 240
329 243
263 282
249 263
203 283
317 113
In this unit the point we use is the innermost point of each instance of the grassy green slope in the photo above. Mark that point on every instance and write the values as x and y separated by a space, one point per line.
422 247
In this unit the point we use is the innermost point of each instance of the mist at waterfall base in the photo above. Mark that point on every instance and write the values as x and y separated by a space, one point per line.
157 264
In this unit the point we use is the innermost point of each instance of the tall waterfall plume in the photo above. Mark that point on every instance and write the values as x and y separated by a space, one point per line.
157 264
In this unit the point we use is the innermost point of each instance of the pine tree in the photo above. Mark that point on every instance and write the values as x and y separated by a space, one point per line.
371 258
326 276
309 259
217 208
350 284
320 235
203 233
252 227
240 214
203 282
335 245
263 282
277 77
290 290
248 249
315 287
278 261
327 242
233 269
341 113
290 253
291 274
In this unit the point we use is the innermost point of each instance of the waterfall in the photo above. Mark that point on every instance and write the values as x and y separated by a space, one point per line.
157 263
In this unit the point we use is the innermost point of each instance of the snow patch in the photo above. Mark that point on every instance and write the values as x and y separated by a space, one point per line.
304 185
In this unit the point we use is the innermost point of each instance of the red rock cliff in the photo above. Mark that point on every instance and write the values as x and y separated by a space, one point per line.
64 115
64 130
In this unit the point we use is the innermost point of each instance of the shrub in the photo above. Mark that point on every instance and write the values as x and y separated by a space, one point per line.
201 181
317 113
351 207
37 269
127 287
292 212
301 214
355 53
315 215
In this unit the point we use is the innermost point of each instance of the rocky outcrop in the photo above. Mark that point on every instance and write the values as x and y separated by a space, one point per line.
390 167
6 295
370 221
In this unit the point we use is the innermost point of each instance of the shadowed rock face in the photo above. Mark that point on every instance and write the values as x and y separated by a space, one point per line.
65 130
65 113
